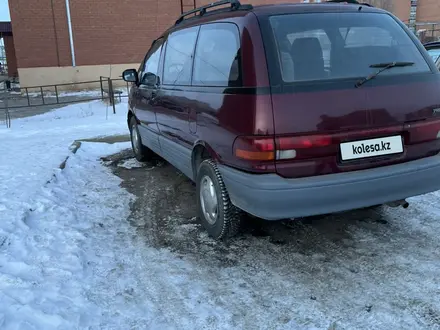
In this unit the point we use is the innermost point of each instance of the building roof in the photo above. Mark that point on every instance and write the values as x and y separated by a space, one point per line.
5 27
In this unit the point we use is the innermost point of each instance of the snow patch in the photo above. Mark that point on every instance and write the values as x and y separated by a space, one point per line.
32 150
131 163
84 93
70 260
49 265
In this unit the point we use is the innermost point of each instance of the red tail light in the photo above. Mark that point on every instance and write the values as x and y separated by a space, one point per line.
302 147
254 148
296 147
423 131
303 142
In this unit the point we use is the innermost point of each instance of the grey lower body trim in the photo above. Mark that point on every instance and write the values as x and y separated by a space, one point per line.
149 139
272 197
177 155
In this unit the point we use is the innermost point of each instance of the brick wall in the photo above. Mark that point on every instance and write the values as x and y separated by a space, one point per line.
10 56
402 9
104 31
33 30
116 31
60 30
428 11
253 2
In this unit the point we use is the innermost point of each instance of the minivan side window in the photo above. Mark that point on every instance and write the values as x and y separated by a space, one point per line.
148 73
217 56
179 57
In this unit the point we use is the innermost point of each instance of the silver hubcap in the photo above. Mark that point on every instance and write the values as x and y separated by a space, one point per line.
135 139
208 199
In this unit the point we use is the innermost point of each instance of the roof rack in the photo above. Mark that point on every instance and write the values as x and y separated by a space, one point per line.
354 2
235 5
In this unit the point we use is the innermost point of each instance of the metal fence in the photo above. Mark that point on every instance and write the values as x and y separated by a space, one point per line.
3 62
105 89
428 32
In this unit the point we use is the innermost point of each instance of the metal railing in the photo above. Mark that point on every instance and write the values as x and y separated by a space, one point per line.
62 94
7 114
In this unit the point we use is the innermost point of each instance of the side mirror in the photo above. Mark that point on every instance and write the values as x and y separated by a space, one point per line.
130 75
150 79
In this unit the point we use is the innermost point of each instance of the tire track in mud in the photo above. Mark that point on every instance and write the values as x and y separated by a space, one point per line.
353 267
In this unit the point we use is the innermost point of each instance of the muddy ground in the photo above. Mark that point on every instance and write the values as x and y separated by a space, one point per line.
166 201
363 269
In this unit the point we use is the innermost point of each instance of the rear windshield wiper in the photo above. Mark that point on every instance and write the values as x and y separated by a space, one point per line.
384 67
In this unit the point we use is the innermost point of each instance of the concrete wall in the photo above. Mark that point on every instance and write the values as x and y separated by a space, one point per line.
30 77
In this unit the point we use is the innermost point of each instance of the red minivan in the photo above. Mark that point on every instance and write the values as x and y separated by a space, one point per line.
289 110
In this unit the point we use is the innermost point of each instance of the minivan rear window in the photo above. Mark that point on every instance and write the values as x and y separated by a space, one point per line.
322 46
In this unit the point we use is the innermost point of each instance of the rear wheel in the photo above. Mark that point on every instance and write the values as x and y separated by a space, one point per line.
141 152
218 215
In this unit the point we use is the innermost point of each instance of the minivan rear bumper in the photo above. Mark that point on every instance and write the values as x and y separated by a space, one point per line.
271 197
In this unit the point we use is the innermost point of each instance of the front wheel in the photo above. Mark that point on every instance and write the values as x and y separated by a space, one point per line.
141 152
218 215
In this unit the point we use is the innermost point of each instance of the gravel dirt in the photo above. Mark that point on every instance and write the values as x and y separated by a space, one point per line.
364 269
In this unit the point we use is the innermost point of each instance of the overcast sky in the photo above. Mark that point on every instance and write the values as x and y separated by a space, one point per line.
4 11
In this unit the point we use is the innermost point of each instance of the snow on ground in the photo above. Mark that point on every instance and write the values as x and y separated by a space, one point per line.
133 163
70 259
13 85
46 215
35 146
54 256
84 93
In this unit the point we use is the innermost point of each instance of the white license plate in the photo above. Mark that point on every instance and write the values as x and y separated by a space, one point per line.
371 148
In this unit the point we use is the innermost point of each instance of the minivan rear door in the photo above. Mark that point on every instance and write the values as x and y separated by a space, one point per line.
316 61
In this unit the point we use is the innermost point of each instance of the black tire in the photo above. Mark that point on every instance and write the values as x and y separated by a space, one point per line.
141 152
227 223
